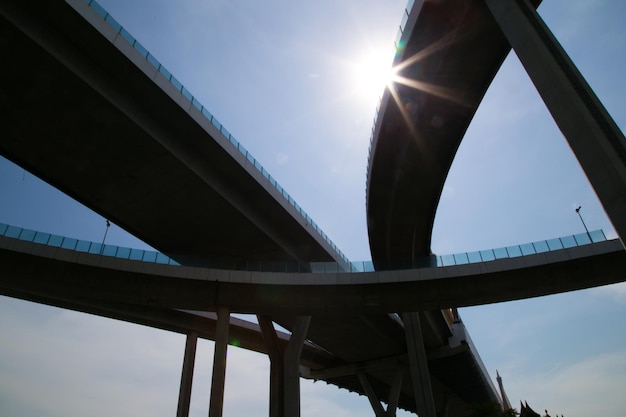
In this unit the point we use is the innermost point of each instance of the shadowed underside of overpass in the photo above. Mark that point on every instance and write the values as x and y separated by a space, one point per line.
61 274
84 118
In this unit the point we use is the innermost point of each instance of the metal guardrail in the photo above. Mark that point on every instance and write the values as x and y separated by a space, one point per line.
78 245
315 267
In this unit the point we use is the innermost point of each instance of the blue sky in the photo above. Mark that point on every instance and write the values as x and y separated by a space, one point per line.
281 77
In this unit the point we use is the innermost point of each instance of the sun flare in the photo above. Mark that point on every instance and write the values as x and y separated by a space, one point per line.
373 72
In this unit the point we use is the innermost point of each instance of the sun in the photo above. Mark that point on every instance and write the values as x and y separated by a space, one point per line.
373 72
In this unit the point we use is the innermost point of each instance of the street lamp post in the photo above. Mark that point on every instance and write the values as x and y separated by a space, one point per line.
583 222
105 236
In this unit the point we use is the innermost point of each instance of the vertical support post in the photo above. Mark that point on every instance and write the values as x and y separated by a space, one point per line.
275 354
418 365
186 378
284 367
394 394
216 405
593 136
292 366
371 395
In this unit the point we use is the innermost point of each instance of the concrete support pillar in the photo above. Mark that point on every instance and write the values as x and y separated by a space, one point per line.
186 378
394 393
292 366
595 139
418 366
379 411
284 366
216 404
276 356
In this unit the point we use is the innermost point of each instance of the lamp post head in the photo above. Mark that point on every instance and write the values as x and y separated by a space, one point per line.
578 209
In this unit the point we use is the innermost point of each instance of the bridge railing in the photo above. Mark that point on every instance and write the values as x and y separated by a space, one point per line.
522 250
206 113
405 17
85 246
315 267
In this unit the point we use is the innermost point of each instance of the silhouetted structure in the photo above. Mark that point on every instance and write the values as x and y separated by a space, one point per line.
88 78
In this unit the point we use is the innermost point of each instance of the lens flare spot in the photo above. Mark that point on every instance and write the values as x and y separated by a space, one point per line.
373 72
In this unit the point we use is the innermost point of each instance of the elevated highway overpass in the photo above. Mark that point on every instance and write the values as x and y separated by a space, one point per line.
74 274
448 55
95 115
67 268
179 164
105 123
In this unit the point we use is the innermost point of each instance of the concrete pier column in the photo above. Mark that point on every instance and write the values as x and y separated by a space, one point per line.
595 139
418 366
276 356
284 366
394 394
216 405
379 411
292 366
186 378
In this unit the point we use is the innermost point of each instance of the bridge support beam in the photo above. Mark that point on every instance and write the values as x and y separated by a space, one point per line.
216 404
394 395
418 365
186 378
593 136
284 366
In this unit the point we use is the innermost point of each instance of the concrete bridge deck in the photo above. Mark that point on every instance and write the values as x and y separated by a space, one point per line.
255 292
173 297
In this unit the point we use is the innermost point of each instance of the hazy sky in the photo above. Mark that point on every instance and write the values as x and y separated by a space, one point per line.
282 77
